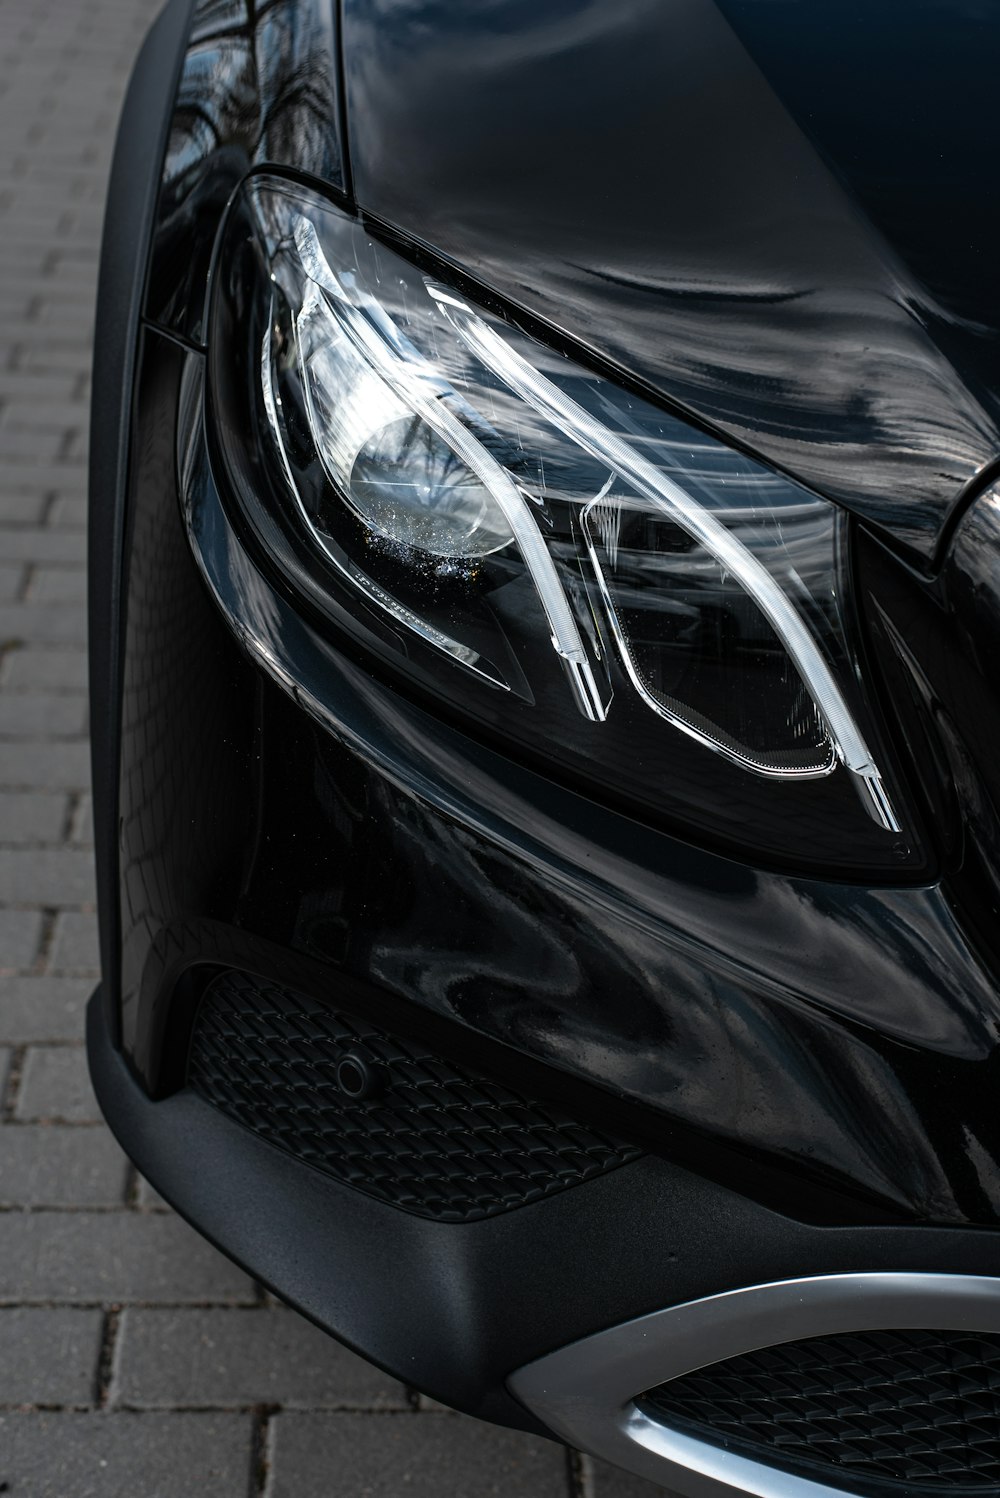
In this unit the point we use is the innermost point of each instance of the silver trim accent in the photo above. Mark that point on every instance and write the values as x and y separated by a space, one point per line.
586 1392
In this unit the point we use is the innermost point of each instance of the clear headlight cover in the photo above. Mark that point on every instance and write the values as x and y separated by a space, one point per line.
539 552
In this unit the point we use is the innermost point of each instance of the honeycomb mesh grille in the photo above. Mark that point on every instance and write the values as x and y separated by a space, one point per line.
439 1140
874 1412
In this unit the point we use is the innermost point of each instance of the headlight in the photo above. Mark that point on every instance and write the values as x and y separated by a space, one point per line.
560 564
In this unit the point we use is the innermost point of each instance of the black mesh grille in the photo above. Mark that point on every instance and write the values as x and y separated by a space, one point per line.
438 1140
868 1411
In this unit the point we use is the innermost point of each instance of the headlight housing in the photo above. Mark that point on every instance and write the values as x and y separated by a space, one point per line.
556 562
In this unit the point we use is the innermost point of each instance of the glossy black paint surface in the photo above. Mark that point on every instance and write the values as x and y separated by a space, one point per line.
837 1037
939 645
776 216
128 226
259 83
780 215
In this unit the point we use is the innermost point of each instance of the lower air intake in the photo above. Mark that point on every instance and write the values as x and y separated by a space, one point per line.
383 1114
877 1412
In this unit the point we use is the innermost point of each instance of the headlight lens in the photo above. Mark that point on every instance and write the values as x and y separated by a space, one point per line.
557 561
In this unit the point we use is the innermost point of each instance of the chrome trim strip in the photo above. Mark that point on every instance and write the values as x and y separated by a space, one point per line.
586 1392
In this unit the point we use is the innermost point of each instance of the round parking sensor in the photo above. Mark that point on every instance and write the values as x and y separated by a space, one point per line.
357 1078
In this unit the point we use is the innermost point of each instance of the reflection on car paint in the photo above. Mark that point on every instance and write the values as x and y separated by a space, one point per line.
846 1037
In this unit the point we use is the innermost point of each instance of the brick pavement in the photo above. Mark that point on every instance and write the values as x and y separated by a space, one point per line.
134 1359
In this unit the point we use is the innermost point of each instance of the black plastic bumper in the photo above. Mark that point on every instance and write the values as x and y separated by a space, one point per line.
455 1309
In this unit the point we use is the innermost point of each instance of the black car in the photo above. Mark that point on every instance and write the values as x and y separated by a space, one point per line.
545 637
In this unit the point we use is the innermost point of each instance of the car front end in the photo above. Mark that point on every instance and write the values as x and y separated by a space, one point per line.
544 612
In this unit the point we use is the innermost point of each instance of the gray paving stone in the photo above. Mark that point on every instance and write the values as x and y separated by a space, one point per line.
30 447
35 1010
232 1358
611 1482
41 416
20 935
43 623
51 354
58 584
27 818
56 1455
425 1456
112 1257
55 1085
46 670
82 833
74 946
11 581
50 1355
35 545
36 765
49 480
74 445
70 510
46 876
15 385
425 1402
22 509
25 715
52 1165
77 260
150 1199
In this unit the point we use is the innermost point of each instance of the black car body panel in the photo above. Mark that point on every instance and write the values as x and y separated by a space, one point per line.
258 84
824 1025
131 211
693 193
808 1065
708 194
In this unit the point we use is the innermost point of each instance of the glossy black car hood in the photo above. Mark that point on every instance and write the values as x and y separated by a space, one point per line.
783 216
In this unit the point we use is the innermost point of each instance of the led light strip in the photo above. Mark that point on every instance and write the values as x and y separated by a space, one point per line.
594 516
607 447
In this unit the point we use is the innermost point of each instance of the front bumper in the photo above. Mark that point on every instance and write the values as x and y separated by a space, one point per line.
456 1311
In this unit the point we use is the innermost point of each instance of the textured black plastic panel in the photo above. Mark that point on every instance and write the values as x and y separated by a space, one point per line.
874 1412
438 1139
